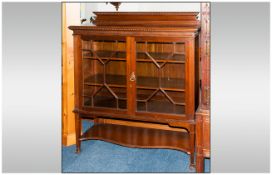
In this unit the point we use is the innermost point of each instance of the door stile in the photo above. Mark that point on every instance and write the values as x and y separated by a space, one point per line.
131 75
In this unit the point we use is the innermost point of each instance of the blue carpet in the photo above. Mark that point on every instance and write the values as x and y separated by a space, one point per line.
100 156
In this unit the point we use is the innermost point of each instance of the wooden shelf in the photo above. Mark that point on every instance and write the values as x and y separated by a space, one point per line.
142 97
111 59
105 55
138 137
162 57
138 60
160 61
110 52
106 102
160 106
111 80
152 83
101 84
171 84
119 98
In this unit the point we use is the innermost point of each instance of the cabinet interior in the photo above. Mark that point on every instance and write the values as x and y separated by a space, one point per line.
160 75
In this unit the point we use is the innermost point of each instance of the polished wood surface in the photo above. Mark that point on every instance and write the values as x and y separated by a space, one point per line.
203 111
139 137
90 31
78 86
161 19
202 138
138 73
138 124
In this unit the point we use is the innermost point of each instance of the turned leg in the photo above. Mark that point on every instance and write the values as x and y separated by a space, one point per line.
78 132
192 146
199 163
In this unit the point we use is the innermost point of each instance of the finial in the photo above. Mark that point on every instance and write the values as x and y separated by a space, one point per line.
115 4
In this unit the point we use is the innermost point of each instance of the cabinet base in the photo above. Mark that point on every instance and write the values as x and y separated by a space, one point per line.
139 137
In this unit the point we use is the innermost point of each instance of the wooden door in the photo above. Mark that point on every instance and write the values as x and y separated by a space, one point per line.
104 75
163 69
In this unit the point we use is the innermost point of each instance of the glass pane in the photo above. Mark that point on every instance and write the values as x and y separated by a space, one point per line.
104 98
160 101
116 72
173 76
160 51
104 74
147 75
160 77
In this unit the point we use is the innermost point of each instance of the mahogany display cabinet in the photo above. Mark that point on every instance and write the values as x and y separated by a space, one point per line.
134 66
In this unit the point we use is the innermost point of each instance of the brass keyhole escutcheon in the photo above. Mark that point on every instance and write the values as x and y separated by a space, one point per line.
132 76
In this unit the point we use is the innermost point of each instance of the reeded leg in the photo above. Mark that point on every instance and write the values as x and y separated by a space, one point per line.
78 132
199 163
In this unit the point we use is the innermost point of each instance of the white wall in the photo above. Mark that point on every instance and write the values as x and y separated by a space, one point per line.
88 8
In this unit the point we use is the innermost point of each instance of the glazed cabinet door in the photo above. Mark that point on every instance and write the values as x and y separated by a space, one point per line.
104 74
137 76
160 76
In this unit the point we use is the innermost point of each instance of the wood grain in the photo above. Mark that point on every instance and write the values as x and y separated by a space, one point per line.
139 137
138 124
177 19
203 112
70 12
